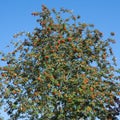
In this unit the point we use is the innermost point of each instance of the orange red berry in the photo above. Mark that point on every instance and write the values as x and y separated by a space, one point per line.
69 39
46 57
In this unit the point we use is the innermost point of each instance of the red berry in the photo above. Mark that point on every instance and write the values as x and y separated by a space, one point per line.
46 57
69 39
62 41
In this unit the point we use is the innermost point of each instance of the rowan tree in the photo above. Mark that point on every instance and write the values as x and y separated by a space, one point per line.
63 70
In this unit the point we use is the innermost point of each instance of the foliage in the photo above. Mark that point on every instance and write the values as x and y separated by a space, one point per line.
64 70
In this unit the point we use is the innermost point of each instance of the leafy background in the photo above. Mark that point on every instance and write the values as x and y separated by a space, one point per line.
16 16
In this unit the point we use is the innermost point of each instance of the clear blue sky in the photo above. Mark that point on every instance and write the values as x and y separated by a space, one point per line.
15 16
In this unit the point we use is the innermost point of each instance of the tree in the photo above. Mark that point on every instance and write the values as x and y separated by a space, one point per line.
64 70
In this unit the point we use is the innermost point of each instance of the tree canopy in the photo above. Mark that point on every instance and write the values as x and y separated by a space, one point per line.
63 70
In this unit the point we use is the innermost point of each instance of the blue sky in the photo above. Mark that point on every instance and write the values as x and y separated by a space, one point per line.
15 16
